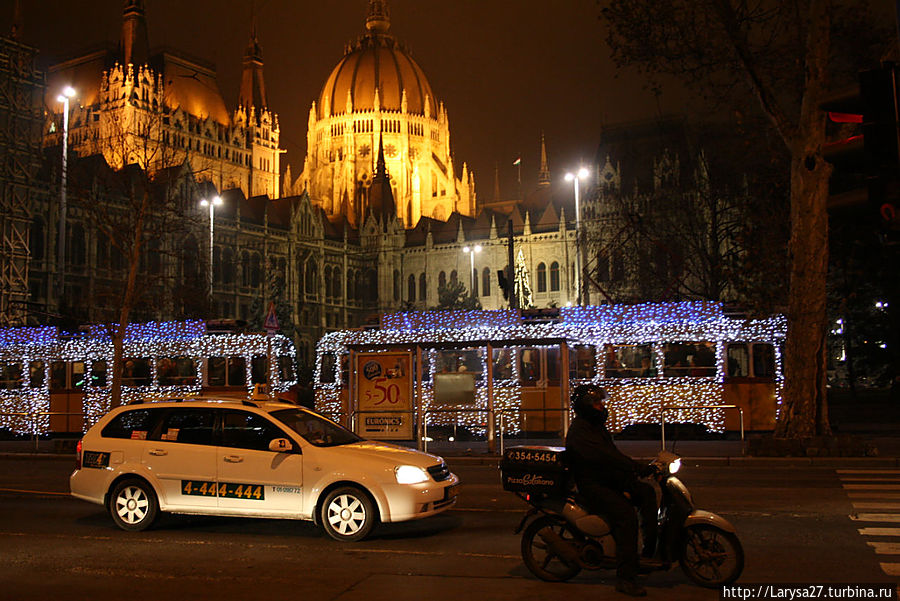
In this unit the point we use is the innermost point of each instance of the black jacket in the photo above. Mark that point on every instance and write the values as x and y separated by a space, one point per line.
593 457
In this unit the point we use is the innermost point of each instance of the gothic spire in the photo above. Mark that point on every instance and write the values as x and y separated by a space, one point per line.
381 195
135 42
253 85
544 173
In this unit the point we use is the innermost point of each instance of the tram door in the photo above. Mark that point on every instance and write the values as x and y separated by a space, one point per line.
539 379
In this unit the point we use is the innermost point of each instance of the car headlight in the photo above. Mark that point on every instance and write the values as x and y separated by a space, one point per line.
410 474
675 466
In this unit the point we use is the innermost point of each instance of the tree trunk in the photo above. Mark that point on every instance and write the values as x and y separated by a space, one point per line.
804 411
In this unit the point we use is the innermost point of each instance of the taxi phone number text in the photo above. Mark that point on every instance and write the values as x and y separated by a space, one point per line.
230 490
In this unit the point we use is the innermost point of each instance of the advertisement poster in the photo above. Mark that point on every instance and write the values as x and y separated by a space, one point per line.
384 395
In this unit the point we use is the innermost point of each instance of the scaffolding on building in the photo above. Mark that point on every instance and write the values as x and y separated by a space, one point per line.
22 88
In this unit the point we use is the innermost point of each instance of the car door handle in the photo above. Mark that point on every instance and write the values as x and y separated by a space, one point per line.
234 458
157 452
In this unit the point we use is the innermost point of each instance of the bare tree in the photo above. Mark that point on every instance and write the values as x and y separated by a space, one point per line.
778 52
143 212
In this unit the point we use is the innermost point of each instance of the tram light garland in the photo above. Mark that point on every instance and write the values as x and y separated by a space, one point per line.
655 324
152 341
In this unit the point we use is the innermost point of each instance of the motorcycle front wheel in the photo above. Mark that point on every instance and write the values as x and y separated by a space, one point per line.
711 557
539 556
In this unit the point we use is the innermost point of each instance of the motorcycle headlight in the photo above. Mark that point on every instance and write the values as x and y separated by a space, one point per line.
674 466
410 474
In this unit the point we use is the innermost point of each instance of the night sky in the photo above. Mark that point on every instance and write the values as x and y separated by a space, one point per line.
505 70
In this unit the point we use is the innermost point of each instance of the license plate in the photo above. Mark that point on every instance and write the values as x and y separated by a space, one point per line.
451 492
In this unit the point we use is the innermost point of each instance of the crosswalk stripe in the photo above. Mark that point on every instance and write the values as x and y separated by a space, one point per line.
860 505
885 548
880 531
876 517
891 569
872 486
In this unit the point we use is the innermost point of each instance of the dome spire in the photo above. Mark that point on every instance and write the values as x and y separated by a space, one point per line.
544 173
379 18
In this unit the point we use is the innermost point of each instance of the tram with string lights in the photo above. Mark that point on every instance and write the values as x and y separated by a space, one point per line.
52 382
511 371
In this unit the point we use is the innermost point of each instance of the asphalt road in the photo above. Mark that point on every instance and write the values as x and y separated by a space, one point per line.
796 525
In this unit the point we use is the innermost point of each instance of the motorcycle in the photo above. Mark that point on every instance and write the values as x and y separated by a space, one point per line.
560 537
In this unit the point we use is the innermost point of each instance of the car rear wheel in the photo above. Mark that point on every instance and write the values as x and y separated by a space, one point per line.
348 514
133 505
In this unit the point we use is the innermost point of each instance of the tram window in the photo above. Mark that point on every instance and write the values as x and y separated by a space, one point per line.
186 370
763 361
79 374
58 375
36 369
98 373
629 361
165 371
259 369
136 372
738 361
11 376
529 366
690 359
553 366
237 371
216 372
345 370
582 363
465 361
502 364
326 376
285 368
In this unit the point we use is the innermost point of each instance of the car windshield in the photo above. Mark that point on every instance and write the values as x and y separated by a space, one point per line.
315 429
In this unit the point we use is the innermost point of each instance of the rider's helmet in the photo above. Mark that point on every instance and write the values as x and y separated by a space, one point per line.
583 399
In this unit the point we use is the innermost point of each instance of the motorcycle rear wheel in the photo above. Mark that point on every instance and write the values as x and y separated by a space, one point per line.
711 557
540 558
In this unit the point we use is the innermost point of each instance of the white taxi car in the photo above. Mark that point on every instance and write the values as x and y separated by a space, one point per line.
256 459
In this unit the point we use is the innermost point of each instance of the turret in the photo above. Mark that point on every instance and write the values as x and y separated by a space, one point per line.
135 42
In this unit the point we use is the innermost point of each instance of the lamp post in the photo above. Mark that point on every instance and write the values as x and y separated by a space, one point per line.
471 252
67 92
212 204
575 177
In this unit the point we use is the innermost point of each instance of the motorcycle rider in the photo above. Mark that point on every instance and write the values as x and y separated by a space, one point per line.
603 475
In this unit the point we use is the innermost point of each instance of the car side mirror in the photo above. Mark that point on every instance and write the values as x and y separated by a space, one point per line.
280 445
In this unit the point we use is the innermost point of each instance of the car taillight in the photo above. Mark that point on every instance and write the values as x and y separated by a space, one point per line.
78 455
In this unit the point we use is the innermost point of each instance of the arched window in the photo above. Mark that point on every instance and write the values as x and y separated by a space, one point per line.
312 276
475 282
328 281
486 281
454 277
442 280
36 243
411 288
360 289
228 273
189 259
618 266
371 285
423 290
541 277
245 269
102 259
554 276
255 270
336 283
396 285
76 246
351 285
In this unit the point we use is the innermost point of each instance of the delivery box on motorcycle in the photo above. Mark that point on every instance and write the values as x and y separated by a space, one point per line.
533 469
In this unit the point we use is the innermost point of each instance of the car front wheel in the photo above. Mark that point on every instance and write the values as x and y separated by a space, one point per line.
348 514
133 505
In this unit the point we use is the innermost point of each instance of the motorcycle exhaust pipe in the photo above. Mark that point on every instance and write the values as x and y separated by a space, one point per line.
559 546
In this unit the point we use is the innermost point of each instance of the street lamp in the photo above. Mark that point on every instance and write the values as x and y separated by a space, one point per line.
67 92
575 177
471 252
216 201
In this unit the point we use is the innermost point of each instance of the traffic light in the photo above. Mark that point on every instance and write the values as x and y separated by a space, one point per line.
866 158
503 283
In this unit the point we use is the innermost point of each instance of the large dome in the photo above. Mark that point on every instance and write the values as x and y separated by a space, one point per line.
376 60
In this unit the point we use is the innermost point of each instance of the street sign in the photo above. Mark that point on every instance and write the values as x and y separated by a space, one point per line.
271 322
